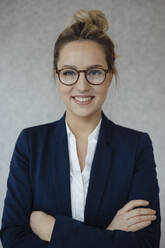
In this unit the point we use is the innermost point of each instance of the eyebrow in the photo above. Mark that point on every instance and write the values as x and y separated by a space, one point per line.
96 65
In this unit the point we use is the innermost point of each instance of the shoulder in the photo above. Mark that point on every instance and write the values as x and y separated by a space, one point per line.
132 137
122 130
38 132
41 127
128 136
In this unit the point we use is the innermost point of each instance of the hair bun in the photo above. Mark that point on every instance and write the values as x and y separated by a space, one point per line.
91 17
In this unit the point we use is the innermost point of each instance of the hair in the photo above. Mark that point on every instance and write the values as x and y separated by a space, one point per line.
90 25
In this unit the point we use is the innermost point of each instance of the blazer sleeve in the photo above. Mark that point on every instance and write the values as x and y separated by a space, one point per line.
72 233
68 232
145 186
15 230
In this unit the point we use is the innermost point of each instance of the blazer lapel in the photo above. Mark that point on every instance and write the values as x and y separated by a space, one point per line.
62 167
99 171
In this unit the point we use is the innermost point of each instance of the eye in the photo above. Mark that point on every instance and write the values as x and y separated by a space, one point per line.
68 73
95 72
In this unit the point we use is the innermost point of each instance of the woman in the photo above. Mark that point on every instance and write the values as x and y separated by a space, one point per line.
82 181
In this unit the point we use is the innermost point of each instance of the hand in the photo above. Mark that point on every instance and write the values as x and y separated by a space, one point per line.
128 220
42 224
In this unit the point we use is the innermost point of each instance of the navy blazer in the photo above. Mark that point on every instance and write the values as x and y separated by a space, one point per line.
123 169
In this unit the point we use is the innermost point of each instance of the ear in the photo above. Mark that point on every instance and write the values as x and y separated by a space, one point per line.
110 77
55 74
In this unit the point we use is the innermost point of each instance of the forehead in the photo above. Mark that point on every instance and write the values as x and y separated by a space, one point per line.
82 53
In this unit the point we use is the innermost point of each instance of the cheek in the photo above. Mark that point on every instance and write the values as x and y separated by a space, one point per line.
101 92
62 88
65 92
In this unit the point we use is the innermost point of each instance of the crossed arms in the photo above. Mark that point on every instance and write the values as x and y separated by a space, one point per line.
63 231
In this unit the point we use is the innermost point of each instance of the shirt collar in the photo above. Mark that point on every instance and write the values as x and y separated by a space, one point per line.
92 136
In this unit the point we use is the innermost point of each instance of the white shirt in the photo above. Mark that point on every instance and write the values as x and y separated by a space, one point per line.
80 180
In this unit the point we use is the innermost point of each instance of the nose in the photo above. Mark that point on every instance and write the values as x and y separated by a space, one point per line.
82 83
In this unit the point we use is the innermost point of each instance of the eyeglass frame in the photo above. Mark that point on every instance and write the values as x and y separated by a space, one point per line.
85 71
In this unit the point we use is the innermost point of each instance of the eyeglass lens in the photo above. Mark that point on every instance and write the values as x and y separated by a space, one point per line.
94 76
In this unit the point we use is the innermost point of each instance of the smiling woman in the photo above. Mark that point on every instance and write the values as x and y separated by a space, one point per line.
84 65
74 90
83 180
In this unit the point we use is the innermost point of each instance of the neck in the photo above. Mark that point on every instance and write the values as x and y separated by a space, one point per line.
82 126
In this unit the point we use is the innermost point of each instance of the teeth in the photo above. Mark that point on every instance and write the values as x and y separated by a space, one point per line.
83 99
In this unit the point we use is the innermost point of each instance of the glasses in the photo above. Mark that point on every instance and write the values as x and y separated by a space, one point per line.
70 76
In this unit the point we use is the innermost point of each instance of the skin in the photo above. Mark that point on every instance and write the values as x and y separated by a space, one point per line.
85 118
42 224
130 219
83 54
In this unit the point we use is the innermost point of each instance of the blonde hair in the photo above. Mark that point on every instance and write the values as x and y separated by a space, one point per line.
87 25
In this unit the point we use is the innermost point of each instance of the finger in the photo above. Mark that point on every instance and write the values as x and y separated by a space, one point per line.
139 219
132 204
138 226
139 211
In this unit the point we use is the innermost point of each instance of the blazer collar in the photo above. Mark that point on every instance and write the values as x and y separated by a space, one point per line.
99 171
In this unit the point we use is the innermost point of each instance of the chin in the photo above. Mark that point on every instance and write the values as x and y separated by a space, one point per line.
84 112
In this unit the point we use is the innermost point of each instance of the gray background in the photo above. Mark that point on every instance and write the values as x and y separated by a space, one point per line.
28 96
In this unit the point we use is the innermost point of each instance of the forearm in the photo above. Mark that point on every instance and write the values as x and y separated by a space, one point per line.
72 233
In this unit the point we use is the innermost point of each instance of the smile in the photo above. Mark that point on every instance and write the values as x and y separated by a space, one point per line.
83 100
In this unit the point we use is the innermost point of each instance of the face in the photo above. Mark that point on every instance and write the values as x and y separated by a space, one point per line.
82 54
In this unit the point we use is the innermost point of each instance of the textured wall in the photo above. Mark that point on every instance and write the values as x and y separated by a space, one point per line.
28 96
